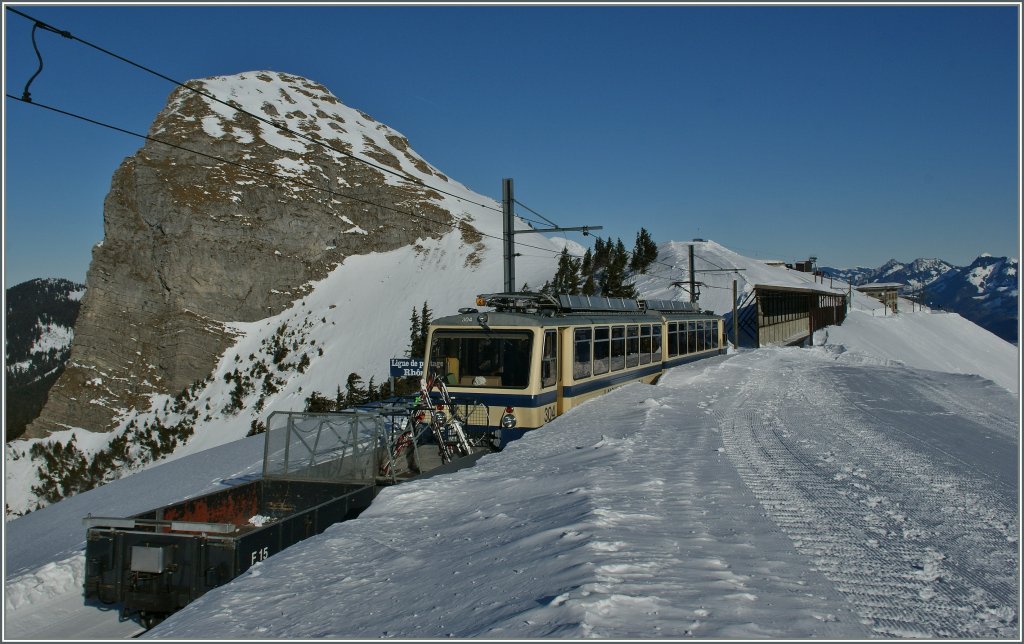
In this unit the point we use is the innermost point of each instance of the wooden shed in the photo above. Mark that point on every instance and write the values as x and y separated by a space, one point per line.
775 315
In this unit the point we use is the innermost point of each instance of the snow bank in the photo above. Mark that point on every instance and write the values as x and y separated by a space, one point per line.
924 340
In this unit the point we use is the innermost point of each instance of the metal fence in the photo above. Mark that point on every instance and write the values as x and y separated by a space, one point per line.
332 447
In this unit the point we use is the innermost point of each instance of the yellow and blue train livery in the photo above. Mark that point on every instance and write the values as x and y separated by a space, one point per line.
535 356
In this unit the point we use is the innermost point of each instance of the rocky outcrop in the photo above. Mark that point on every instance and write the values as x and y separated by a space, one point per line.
229 219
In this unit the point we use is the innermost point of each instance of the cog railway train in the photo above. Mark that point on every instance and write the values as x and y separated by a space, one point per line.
537 356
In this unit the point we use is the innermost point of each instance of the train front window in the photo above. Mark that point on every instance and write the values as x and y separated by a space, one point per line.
481 358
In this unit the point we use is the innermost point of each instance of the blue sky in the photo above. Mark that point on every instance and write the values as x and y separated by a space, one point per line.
851 133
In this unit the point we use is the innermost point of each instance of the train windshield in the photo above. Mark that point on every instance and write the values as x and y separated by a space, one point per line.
481 358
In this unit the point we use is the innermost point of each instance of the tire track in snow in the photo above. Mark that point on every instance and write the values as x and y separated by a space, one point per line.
875 520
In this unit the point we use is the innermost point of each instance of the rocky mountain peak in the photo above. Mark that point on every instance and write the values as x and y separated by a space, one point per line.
230 218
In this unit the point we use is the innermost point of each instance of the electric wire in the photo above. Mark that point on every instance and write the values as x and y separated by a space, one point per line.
307 184
233 106
26 98
257 170
546 220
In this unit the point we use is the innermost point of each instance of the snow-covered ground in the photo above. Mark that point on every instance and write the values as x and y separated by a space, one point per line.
850 490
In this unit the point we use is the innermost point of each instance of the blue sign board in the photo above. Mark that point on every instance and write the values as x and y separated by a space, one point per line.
403 367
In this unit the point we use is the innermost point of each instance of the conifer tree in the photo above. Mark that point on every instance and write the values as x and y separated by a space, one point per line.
586 264
588 287
355 393
567 278
613 282
644 252
414 332
601 251
419 323
425 318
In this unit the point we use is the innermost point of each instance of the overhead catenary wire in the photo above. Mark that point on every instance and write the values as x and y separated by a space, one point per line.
284 128
278 125
546 220
301 182
258 170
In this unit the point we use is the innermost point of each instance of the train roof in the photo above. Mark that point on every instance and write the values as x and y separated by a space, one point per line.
532 309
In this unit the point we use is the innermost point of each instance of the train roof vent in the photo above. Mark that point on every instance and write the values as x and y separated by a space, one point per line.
672 305
522 302
596 303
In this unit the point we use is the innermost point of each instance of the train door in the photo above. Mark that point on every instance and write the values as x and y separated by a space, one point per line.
562 343
550 373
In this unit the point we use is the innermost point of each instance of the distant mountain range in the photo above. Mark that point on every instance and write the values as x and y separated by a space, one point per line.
916 274
985 292
41 316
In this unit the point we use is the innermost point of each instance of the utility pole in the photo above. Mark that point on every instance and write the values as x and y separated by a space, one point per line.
693 280
509 243
735 320
509 233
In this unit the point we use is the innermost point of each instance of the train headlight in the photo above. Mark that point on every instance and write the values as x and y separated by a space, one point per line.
440 415
508 420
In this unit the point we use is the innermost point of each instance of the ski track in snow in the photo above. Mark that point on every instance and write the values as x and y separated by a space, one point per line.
922 543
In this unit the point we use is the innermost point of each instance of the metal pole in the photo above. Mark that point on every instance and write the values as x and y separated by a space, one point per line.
507 198
735 320
693 281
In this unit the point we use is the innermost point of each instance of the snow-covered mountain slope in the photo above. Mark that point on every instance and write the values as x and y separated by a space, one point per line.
716 267
40 320
986 293
228 216
252 293
783 493
353 321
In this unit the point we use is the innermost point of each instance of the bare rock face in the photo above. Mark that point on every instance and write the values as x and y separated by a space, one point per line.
229 219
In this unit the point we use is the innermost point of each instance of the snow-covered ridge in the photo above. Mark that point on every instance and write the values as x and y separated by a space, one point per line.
304 106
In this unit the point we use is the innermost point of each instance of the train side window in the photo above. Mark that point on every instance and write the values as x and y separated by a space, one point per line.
618 348
700 335
645 344
581 356
632 345
673 339
602 352
549 361
691 337
656 344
